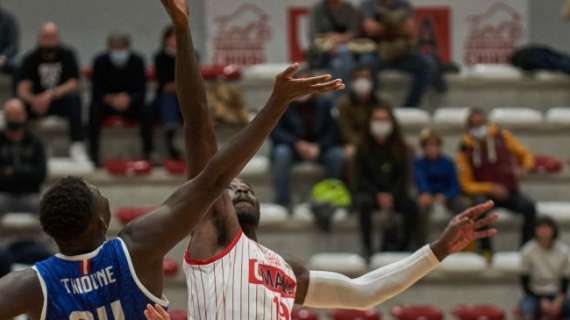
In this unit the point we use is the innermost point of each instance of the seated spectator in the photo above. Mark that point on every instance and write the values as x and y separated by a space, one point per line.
306 132
49 85
545 274
354 108
391 24
333 25
488 169
382 176
436 181
119 89
167 101
9 41
23 164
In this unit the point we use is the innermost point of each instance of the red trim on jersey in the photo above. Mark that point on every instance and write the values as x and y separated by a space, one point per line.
223 253
85 266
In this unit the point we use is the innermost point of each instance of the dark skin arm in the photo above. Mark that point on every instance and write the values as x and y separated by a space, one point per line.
25 296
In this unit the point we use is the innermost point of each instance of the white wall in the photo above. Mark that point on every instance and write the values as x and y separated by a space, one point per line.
85 24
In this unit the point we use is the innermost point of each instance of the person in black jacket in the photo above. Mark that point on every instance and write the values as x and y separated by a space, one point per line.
119 89
382 180
49 85
23 164
307 132
9 41
166 100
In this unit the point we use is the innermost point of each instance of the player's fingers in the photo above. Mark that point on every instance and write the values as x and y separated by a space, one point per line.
486 221
462 221
328 86
162 312
475 212
290 71
316 80
153 313
485 234
148 315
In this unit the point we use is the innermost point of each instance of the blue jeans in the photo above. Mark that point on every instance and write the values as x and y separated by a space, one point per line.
285 156
341 64
169 110
422 67
530 307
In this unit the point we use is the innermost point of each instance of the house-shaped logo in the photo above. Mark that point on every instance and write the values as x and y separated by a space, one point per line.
241 37
493 35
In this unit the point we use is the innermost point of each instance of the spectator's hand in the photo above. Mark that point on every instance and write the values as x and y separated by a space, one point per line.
372 28
386 201
441 198
313 152
521 172
41 102
304 149
178 11
156 313
170 87
425 200
464 229
349 151
287 88
122 102
546 307
499 192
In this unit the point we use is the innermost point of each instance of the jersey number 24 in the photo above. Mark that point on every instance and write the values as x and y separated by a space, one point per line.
116 309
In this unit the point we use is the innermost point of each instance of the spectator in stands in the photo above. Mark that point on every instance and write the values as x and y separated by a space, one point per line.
49 85
436 181
391 24
307 132
545 274
167 101
119 89
488 169
334 23
9 41
23 164
354 108
382 175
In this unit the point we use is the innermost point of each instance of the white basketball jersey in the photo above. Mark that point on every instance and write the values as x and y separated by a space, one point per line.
245 281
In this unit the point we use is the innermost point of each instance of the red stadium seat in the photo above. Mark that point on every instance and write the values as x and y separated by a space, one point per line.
478 312
170 268
151 74
119 122
417 312
355 315
547 164
126 215
178 314
228 73
175 167
304 314
128 167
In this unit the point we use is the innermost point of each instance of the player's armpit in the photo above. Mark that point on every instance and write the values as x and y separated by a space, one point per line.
21 293
303 277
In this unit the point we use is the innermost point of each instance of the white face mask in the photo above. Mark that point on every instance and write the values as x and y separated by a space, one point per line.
381 129
362 87
120 57
479 132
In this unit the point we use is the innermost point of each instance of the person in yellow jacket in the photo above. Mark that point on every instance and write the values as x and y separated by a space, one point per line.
490 163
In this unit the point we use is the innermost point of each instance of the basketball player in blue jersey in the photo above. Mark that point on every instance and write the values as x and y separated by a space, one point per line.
95 278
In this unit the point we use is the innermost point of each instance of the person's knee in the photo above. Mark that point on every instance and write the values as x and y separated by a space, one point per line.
282 156
528 307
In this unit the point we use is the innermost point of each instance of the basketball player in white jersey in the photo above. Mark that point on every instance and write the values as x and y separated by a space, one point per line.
231 276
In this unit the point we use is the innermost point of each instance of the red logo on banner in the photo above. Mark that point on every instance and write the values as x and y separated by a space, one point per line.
242 36
494 35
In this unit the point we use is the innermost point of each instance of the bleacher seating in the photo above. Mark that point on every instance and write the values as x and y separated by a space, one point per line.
478 312
451 117
507 263
417 312
19 221
412 117
345 263
355 315
461 264
516 117
304 314
558 116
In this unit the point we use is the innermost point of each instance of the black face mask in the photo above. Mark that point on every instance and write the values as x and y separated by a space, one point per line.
15 126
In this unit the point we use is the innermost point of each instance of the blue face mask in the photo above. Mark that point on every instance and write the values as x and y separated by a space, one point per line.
120 57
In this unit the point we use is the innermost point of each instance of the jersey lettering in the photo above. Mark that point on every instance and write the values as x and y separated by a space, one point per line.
116 309
272 278
89 283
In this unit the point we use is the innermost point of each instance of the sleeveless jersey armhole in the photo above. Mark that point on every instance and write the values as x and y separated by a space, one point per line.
162 301
44 293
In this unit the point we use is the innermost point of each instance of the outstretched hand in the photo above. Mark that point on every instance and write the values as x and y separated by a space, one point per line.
178 12
287 88
156 313
464 229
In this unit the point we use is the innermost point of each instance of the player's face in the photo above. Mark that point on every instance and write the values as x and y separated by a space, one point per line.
245 202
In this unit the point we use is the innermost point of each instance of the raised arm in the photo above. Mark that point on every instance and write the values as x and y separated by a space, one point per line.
21 293
332 290
152 236
200 138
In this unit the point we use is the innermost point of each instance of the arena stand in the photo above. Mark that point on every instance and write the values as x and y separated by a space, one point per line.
533 107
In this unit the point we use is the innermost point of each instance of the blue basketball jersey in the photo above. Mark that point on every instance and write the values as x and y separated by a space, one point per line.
101 285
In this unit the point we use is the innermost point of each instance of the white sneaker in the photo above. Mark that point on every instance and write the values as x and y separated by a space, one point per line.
77 152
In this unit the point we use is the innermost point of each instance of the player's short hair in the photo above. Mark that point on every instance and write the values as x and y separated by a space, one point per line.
67 208
549 222
428 135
